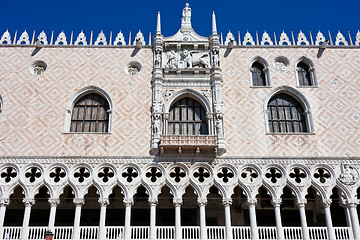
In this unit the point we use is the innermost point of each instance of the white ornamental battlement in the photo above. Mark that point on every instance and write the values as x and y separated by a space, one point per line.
247 39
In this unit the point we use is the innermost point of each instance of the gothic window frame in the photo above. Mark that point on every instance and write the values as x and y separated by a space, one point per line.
312 73
265 70
77 96
200 98
301 99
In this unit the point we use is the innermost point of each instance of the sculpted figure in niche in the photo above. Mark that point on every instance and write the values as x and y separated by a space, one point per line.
156 124
215 58
157 60
171 56
218 124
186 14
194 59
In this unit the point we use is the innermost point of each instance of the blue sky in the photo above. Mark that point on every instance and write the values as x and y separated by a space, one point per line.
132 15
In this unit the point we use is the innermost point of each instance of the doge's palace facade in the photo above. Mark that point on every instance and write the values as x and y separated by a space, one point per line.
180 137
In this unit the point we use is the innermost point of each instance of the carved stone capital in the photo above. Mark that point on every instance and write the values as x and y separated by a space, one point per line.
54 202
153 201
28 202
128 202
202 202
326 202
227 202
103 202
276 202
79 201
4 202
251 201
301 202
352 203
177 202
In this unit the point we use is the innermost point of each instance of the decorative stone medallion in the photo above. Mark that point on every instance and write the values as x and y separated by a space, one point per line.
281 63
133 68
37 67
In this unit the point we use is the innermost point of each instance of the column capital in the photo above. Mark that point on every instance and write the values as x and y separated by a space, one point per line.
103 202
326 202
153 201
251 201
276 202
79 201
128 202
28 202
4 201
301 202
54 202
177 202
353 202
202 202
227 202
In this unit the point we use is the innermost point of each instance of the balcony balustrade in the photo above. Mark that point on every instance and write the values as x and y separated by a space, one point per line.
165 232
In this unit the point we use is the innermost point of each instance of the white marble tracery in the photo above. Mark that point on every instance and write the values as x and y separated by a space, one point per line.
101 39
302 39
319 38
24 38
61 39
5 38
340 39
266 40
284 39
81 39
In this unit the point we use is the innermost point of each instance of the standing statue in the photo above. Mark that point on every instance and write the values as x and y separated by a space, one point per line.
186 14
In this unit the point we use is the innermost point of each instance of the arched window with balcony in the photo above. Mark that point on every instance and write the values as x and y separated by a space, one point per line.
187 117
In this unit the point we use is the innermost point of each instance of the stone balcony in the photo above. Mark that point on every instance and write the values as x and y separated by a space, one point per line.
188 143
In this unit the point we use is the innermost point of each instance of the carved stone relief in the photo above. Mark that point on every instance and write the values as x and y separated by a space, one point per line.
186 58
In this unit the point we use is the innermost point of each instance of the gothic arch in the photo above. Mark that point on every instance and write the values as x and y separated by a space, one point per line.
311 66
265 64
298 96
187 93
79 94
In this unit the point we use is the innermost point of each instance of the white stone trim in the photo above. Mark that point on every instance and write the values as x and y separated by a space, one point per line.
263 62
313 77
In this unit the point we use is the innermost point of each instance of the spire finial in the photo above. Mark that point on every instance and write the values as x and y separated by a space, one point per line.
214 30
158 24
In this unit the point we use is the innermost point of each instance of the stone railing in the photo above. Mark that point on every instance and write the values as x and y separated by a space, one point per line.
187 232
191 140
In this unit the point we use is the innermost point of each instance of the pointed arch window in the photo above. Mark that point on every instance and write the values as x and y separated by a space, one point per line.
187 117
286 115
90 114
306 74
259 73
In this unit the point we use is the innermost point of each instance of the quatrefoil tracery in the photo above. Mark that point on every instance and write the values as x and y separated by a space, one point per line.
82 174
9 174
297 174
201 174
273 174
58 173
225 174
130 173
106 174
249 175
153 174
177 174
32 174
322 175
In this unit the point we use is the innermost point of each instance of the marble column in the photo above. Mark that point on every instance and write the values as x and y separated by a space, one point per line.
128 202
203 231
352 205
4 202
305 232
177 204
252 213
331 232
54 202
279 229
28 202
104 202
78 204
153 203
228 229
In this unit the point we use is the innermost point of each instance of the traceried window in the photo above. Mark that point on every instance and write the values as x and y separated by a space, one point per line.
305 74
187 117
286 115
258 73
90 114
